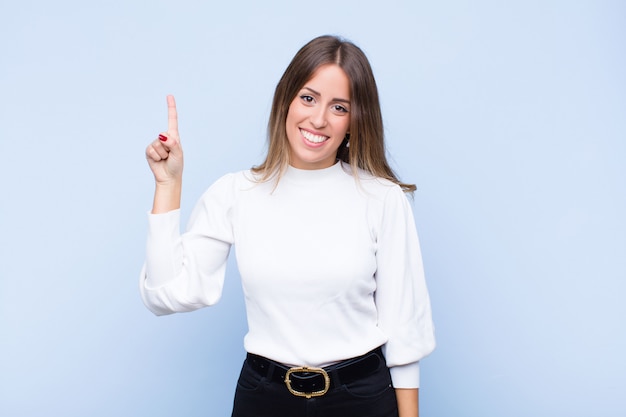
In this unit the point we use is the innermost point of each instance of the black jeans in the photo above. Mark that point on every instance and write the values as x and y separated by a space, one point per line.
372 396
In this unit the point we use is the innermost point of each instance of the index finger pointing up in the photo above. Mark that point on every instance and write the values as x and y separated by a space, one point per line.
172 116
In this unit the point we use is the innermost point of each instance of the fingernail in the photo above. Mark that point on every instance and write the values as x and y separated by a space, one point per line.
162 138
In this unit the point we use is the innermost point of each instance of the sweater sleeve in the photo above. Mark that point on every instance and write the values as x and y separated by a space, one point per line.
402 300
185 272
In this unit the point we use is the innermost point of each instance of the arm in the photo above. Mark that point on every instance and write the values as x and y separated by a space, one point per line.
408 402
182 272
402 296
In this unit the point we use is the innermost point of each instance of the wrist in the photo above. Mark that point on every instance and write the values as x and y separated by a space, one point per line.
167 196
408 402
169 184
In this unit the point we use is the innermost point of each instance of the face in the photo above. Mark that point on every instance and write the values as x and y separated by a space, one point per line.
319 118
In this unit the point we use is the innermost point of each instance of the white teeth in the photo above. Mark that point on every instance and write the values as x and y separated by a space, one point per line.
313 138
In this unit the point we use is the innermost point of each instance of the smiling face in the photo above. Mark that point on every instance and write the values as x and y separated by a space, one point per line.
318 119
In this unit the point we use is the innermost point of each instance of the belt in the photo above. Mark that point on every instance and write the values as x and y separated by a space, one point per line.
310 382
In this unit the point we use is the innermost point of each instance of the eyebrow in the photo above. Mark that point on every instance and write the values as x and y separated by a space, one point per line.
342 100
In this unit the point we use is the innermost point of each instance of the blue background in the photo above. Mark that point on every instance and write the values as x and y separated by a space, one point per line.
510 116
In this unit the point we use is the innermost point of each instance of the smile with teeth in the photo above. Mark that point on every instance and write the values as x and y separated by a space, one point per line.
312 137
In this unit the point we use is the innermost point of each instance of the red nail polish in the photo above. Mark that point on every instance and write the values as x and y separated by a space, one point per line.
162 138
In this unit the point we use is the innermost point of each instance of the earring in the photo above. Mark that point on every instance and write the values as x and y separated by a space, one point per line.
346 140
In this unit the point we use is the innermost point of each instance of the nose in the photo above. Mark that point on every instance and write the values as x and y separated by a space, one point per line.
318 117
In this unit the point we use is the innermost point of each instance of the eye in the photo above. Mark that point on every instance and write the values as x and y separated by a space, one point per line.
339 108
307 99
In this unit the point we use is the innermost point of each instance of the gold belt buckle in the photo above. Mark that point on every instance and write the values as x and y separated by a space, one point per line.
309 370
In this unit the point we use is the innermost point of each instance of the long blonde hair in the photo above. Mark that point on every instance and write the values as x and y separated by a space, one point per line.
366 148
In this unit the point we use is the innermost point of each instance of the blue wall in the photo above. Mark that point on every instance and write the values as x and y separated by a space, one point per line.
509 116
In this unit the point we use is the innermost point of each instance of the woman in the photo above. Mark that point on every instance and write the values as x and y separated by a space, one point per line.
337 306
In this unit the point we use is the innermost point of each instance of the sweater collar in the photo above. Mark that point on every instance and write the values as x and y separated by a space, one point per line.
308 175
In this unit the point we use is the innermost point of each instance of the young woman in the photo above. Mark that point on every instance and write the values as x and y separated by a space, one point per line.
337 306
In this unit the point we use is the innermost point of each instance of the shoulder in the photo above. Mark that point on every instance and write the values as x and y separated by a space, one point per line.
228 186
381 188
234 180
385 198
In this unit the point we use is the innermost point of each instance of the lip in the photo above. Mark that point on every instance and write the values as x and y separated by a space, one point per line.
313 144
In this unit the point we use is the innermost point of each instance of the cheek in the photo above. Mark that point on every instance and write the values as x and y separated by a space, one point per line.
291 124
294 112
346 125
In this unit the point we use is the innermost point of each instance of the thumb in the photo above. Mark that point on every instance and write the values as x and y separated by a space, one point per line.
171 144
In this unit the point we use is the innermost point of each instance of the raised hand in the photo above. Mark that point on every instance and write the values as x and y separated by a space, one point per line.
165 157
165 154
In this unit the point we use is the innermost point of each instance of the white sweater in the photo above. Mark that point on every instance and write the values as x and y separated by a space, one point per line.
330 267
